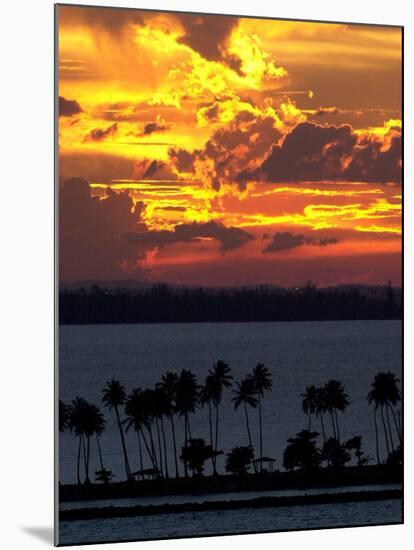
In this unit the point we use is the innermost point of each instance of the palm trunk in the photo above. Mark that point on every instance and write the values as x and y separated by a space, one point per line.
376 435
249 435
333 424
159 446
153 453
177 474
165 448
141 460
323 428
84 454
151 457
185 443
189 428
78 461
216 439
211 437
99 451
260 434
397 427
385 431
337 426
124 449
389 426
309 422
88 449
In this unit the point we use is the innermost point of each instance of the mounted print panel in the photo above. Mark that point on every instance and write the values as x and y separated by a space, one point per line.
229 195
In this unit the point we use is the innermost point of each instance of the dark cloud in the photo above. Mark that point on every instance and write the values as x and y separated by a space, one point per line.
153 169
314 153
68 107
209 37
172 208
91 229
228 237
100 134
233 151
155 126
286 241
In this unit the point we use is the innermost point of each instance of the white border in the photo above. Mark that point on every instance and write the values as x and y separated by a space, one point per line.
27 270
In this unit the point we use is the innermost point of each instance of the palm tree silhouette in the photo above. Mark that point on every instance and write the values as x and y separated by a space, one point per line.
245 395
76 424
210 394
222 373
85 420
136 417
309 403
161 409
336 400
168 385
94 424
148 404
261 378
113 398
186 399
385 394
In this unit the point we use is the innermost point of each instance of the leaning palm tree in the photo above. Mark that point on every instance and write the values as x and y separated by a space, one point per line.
210 394
309 403
245 395
261 379
222 373
168 385
186 400
336 400
113 398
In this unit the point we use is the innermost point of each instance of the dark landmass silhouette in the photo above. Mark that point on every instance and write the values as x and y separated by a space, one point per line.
119 302
259 502
323 478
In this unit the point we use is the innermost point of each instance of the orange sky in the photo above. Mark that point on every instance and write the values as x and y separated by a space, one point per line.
219 150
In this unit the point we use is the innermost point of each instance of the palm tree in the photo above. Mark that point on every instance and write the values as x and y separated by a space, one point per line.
309 403
186 399
76 424
168 385
245 395
336 400
136 417
261 378
210 394
148 404
222 373
114 397
94 424
161 409
385 394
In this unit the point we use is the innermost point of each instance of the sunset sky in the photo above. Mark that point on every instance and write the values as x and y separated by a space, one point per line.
219 150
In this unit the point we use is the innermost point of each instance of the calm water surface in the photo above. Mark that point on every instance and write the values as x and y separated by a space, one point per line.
231 521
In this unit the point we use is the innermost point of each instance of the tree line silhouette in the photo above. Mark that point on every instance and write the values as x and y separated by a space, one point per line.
153 414
163 304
